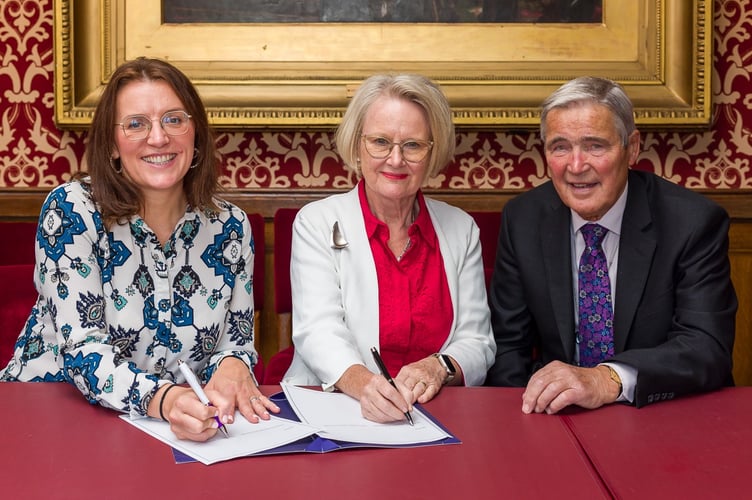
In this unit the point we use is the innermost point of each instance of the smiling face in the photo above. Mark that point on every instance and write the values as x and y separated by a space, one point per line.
392 178
588 162
158 163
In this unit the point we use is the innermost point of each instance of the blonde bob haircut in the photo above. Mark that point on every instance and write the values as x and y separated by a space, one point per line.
414 88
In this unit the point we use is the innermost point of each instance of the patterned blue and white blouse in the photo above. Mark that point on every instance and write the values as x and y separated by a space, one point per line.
117 310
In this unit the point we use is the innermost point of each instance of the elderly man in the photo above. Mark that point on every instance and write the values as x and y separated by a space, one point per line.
610 284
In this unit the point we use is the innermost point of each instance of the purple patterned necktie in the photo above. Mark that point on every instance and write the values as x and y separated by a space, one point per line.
595 336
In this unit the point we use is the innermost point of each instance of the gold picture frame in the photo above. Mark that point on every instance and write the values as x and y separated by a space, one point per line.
300 75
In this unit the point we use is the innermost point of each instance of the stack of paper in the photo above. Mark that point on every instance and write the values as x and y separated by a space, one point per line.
339 418
245 438
314 422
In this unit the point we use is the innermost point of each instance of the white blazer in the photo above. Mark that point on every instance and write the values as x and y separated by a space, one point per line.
335 309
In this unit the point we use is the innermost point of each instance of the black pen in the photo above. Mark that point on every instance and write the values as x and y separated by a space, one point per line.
385 373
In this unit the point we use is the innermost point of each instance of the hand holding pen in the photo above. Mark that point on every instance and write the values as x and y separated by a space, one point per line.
190 377
385 373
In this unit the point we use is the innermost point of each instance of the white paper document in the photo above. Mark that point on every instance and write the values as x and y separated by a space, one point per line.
339 418
245 438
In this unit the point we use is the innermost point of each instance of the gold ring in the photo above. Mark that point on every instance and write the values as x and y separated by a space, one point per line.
420 382
255 398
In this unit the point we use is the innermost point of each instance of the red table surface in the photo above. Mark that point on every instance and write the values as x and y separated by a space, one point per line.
693 447
55 445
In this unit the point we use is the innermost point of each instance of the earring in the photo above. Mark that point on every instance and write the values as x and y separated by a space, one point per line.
195 158
117 169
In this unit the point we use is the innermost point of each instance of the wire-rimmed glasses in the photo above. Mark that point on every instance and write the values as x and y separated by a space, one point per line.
412 150
138 127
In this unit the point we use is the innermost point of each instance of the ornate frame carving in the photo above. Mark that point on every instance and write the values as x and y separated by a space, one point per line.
255 76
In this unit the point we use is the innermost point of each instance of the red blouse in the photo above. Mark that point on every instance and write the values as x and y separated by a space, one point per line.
415 307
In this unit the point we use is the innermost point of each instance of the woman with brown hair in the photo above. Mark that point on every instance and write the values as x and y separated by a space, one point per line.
139 266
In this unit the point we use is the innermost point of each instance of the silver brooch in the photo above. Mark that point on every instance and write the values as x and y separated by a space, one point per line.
338 241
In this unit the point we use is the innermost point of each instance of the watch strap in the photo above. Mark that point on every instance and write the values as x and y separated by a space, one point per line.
446 362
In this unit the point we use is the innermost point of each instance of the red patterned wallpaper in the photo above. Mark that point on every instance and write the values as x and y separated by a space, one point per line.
33 152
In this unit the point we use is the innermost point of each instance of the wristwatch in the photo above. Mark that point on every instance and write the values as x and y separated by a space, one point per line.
446 362
615 377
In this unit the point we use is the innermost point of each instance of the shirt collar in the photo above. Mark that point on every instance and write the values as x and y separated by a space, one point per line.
422 225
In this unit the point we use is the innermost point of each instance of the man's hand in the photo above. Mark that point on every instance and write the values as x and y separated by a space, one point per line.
558 385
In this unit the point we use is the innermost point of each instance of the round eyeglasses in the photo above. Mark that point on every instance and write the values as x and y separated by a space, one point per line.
412 150
138 127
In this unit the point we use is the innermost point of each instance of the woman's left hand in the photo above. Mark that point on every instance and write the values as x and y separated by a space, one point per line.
423 378
233 383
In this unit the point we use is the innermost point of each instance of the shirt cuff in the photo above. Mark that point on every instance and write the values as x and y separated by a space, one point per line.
250 360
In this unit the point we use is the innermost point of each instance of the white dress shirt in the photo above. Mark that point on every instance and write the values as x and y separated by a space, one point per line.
611 220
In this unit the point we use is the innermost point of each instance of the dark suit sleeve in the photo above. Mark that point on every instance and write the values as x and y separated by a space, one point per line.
511 319
682 336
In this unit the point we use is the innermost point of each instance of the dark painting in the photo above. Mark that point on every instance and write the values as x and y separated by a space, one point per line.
382 11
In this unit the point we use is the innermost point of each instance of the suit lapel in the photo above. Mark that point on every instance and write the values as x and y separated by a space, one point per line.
637 244
557 263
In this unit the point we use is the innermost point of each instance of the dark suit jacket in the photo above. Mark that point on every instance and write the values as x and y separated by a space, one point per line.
674 315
